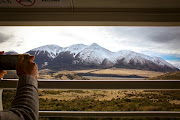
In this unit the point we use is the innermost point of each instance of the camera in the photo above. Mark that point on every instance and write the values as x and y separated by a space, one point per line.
8 62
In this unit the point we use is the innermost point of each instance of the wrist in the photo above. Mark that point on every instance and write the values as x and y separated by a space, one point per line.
35 77
27 80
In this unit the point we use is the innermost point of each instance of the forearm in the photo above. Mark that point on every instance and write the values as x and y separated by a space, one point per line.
25 105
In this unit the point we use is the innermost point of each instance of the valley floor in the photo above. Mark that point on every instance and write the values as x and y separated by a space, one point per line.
104 100
99 74
120 72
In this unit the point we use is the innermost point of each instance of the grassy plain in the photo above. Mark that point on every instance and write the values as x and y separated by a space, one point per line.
167 76
98 74
103 100
93 94
121 72
62 75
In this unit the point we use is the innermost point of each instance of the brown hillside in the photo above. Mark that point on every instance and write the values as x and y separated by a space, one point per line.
167 76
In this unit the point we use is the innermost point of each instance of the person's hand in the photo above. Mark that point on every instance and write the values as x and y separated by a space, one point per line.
27 67
2 72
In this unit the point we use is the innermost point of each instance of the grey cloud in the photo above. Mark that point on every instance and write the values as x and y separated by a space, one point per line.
4 38
18 45
151 34
161 40
167 35
150 37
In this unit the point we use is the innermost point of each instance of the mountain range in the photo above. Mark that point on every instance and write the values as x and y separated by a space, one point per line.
80 56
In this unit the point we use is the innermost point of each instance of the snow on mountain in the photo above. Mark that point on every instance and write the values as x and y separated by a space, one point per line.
139 58
75 49
94 54
162 62
52 50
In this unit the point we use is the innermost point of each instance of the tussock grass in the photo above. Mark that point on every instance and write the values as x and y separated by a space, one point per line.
167 76
122 72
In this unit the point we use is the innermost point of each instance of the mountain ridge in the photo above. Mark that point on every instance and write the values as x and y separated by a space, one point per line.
80 56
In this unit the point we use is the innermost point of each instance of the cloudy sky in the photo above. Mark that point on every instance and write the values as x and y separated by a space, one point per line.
161 42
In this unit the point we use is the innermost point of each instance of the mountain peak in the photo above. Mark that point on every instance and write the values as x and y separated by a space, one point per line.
75 49
78 44
52 50
94 44
47 47
94 54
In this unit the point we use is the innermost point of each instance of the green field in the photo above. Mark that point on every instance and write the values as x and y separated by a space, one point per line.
103 100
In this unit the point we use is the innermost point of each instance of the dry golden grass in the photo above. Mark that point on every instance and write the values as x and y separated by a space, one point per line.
62 75
85 71
167 76
113 78
45 77
66 75
122 72
126 72
147 108
177 102
102 95
95 94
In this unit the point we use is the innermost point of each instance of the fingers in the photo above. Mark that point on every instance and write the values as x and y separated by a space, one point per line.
1 53
34 63
2 73
35 69
31 58
21 59
19 62
1 76
27 66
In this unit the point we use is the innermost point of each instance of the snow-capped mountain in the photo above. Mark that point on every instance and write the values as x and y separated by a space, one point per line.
45 54
129 56
94 54
52 50
80 56
75 49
